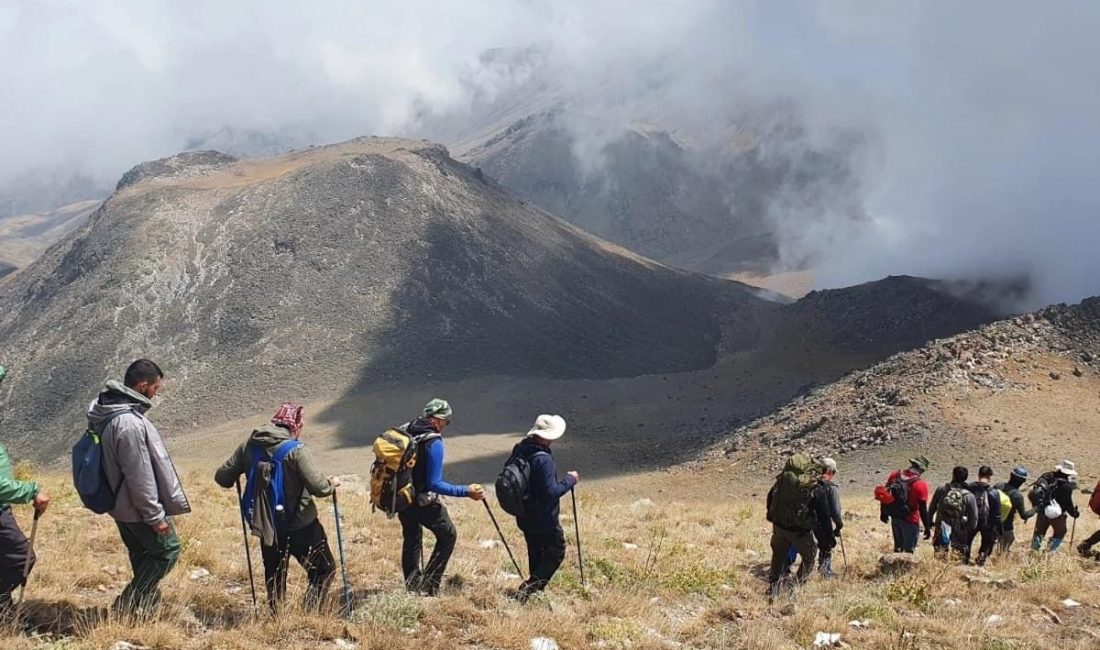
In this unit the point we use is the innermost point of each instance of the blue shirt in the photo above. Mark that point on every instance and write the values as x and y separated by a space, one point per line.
428 472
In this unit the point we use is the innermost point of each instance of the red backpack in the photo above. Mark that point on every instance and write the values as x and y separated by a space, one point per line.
1094 500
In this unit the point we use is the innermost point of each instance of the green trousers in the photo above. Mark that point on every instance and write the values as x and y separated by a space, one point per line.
152 556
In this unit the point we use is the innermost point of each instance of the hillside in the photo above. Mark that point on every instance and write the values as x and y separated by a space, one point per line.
1017 391
369 262
24 237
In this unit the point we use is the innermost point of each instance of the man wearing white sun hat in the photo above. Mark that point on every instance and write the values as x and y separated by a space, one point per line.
1052 497
541 525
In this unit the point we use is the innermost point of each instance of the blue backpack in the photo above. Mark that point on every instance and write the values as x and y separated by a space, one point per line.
89 478
264 503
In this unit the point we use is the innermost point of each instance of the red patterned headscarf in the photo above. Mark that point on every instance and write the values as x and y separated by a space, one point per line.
290 416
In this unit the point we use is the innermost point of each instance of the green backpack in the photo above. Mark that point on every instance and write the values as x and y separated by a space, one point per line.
953 507
791 508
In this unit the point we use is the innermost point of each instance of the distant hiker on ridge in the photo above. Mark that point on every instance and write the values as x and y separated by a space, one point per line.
148 492
283 515
955 516
1018 506
14 547
428 511
540 518
1052 496
904 500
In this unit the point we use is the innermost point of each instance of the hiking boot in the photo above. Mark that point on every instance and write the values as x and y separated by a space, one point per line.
1084 550
826 568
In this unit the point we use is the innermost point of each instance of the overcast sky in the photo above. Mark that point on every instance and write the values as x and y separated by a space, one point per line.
982 118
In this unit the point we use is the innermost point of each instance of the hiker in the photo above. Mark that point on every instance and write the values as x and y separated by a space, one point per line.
1017 506
955 515
284 515
1052 496
428 511
14 547
792 511
907 506
147 489
988 501
1085 547
829 519
541 523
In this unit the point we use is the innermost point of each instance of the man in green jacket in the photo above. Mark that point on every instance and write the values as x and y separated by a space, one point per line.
294 531
14 548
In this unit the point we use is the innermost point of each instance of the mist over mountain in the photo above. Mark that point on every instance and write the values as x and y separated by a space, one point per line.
934 140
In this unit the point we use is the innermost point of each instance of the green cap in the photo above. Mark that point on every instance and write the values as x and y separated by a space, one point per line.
920 462
438 408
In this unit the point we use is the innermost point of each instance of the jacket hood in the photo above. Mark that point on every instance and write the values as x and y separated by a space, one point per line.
269 435
116 397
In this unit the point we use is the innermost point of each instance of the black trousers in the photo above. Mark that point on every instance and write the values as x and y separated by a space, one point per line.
985 548
309 546
545 553
14 549
1091 540
434 517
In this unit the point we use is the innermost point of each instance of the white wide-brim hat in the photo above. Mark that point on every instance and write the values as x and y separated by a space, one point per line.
548 427
1066 467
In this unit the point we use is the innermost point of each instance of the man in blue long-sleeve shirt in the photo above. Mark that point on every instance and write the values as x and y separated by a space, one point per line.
428 511
541 526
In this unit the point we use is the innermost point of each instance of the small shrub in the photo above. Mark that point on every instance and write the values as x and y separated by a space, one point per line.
399 610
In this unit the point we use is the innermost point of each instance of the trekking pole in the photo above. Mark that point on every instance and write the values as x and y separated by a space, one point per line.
504 541
843 553
247 550
27 568
343 561
577 530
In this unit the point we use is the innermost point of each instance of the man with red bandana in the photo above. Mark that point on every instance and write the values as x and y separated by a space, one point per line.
295 530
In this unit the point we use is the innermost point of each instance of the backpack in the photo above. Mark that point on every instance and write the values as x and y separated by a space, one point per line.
89 479
894 496
1042 492
981 495
952 509
791 506
1006 505
513 486
1094 500
391 476
264 501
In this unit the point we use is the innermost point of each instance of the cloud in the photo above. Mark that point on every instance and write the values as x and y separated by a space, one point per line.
978 123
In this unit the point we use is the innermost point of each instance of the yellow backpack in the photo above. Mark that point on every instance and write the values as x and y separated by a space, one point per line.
391 477
1006 505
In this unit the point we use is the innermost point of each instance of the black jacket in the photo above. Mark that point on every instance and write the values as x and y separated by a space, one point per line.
543 505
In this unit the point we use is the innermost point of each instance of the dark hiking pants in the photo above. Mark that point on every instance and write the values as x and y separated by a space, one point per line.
906 535
985 548
14 548
309 547
782 541
545 553
1042 525
152 557
434 517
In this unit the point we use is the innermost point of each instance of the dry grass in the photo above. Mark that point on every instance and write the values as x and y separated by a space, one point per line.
694 580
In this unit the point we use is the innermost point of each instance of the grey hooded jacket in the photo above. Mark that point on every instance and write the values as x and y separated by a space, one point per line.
135 460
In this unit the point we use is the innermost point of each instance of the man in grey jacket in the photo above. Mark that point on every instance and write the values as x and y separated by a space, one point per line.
148 491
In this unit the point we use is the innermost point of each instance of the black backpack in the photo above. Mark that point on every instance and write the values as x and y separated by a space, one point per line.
1042 492
981 495
513 486
899 489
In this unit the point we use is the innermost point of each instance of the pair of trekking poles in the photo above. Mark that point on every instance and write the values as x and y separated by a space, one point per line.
576 529
339 545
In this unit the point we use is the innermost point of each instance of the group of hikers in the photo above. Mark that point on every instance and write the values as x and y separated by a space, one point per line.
121 467
804 508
